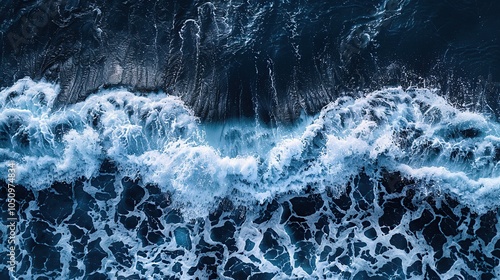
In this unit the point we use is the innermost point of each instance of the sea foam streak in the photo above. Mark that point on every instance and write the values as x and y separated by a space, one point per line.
157 139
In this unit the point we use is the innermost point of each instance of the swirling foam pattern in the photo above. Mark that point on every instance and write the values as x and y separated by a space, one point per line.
396 183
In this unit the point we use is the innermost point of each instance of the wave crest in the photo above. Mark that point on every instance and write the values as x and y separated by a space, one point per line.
157 139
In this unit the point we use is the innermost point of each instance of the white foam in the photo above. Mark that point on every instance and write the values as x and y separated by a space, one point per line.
158 139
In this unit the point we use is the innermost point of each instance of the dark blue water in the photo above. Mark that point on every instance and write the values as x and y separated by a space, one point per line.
271 59
251 140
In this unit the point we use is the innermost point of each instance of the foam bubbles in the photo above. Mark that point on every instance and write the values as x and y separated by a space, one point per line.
157 139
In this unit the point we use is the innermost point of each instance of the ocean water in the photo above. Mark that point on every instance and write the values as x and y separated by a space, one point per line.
250 139
396 183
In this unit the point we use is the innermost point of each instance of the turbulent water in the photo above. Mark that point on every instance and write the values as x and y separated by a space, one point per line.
395 183
250 139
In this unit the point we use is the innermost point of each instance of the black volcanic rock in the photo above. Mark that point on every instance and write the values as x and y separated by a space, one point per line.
273 59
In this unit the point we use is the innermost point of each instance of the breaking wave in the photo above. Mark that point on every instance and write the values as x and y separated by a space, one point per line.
156 138
393 184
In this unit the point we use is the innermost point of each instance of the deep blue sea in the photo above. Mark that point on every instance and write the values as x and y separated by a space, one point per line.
360 141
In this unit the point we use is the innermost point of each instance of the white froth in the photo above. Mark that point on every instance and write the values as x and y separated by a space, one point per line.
157 139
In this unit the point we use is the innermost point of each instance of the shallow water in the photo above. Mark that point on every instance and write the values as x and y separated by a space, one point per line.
396 183
250 139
